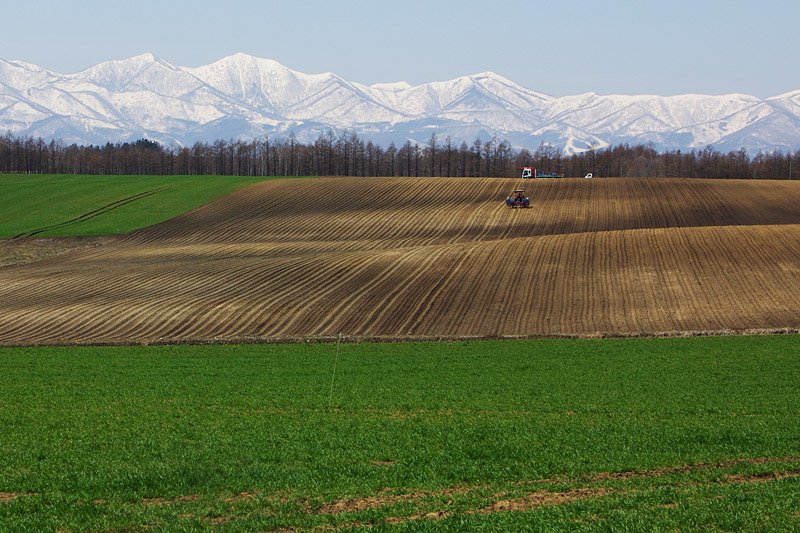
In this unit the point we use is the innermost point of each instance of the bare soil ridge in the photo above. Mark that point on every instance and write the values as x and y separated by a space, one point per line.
429 258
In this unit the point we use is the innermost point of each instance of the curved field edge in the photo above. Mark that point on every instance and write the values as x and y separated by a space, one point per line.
92 205
677 433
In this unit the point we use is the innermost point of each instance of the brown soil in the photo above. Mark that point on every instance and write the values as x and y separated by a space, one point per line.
242 496
763 477
546 498
169 501
21 251
382 500
540 498
8 496
499 501
428 258
360 504
433 515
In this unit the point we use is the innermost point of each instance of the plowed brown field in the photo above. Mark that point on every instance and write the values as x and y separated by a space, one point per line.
429 257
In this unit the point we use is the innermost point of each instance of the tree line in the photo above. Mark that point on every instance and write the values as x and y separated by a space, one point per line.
348 155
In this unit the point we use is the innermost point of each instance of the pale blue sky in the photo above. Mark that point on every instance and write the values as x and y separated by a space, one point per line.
559 47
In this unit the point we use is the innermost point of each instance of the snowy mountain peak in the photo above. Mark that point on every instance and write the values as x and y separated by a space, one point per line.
242 56
259 83
19 76
241 65
243 61
118 74
786 96
500 85
15 63
392 87
243 96
127 64
489 75
146 57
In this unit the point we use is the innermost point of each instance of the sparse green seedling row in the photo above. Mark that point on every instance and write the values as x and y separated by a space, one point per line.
556 434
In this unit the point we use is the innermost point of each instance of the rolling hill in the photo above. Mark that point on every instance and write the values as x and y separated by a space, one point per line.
428 258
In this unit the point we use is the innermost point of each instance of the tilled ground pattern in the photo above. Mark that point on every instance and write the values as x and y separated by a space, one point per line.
428 257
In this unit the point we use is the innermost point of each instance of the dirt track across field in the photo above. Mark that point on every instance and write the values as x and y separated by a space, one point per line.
417 258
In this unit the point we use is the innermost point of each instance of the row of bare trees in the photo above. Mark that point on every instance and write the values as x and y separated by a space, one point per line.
349 155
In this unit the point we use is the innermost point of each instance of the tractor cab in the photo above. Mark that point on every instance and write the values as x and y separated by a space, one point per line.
518 199
528 172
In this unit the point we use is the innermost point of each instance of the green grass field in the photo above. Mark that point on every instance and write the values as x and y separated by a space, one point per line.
549 434
32 202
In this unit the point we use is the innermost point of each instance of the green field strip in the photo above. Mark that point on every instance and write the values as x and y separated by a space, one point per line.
542 434
92 214
91 205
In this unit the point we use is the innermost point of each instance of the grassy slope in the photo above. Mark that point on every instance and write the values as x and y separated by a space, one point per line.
28 202
90 433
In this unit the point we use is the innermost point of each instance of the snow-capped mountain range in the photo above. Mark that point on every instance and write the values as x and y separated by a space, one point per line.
244 97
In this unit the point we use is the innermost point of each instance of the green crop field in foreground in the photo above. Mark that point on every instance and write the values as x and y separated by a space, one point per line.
32 202
556 434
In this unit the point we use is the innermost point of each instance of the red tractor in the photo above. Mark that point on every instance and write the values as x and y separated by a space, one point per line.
518 199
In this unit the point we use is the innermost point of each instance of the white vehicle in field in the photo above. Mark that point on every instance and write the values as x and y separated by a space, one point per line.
531 172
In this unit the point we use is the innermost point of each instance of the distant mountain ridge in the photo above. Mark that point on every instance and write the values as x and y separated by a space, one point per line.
244 97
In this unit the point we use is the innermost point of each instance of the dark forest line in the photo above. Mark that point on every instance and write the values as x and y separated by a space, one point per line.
349 155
